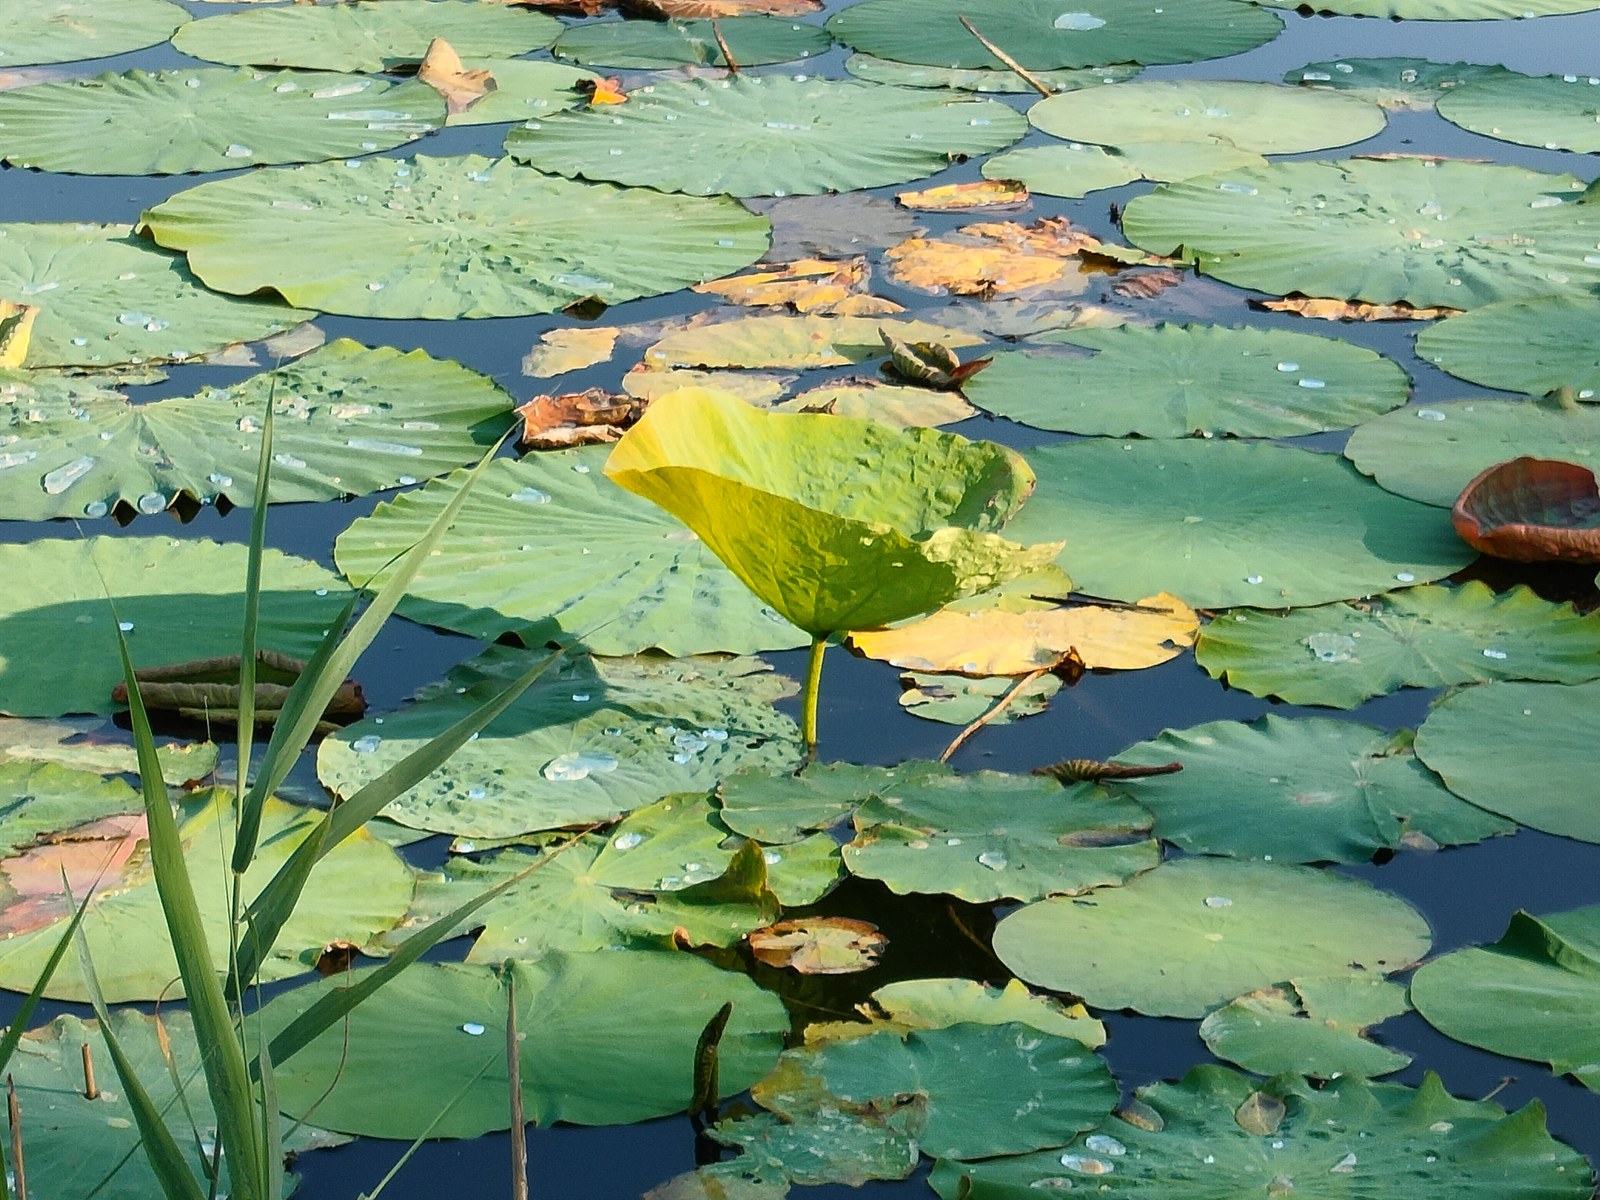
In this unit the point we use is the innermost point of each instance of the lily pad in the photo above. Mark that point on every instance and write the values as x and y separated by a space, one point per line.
176 600
358 891
766 135
523 90
1533 346
52 31
523 243
1227 523
1177 380
794 342
837 523
38 799
825 1141
1201 1147
1309 790
653 45
587 742
108 298
1532 510
85 744
1261 118
1431 452
938 1003
987 837
1076 170
1341 654
1051 34
365 37
1313 1026
899 406
169 122
1482 740
510 566
1395 83
784 808
1530 995
1553 112
988 78
348 420
608 1039
1425 231
1192 934
958 700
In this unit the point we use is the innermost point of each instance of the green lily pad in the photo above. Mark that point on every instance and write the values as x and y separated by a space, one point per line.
988 78
1314 1026
766 135
836 523
107 298
607 1039
1309 790
365 37
588 741
1350 1138
523 89
524 243
1076 170
1351 230
1431 452
509 566
958 700
169 122
1394 83
81 744
177 600
1227 523
1555 112
784 808
1341 654
1176 380
1193 934
828 1141
52 31
938 1003
1533 346
1482 740
652 45
358 891
40 798
987 837
1530 995
348 421
1051 34
989 1089
1261 118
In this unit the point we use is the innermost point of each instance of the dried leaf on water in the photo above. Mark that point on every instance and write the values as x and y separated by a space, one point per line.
443 71
1532 510
978 193
819 945
582 418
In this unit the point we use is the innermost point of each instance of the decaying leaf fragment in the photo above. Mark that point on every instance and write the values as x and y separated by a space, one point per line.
585 418
443 71
1351 310
16 329
997 257
1532 510
931 364
819 945
977 193
85 855
602 91
806 285
207 689
561 350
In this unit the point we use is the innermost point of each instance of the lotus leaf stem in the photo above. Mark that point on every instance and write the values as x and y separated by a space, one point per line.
808 715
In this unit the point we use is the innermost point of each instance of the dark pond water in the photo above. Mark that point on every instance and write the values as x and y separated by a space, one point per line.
1467 894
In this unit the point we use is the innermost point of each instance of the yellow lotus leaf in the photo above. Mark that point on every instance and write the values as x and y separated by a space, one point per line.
561 350
16 329
976 193
990 258
805 285
792 342
754 387
443 71
995 641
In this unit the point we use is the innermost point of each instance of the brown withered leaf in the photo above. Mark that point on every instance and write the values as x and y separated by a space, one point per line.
443 71
1146 285
806 285
998 257
1532 510
577 419
977 193
819 945
1351 310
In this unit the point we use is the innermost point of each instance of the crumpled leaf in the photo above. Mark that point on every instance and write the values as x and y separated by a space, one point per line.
977 193
16 329
442 70
805 285
993 258
1351 310
584 418
1532 510
561 350
929 364
84 856
819 945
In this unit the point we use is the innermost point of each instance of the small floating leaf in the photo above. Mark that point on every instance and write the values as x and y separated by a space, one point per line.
819 945
1314 1026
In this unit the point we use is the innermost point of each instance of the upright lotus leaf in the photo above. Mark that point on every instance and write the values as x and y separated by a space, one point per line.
52 31
1222 523
836 523
784 808
1350 1138
1486 740
39 799
519 243
1553 112
1050 34
523 90
1076 169
766 135
1341 654
365 37
176 600
1404 84
169 122
106 298
585 743
1431 452
1177 380
348 420
1532 510
1192 934
510 564
989 1089
1262 118
1309 790
794 342
653 45
607 1039
1532 994
1486 231
990 78
357 892
986 837
1313 1026
939 1003
1535 346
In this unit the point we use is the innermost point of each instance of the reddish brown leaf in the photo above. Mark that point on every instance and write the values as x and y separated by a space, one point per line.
819 945
577 419
1532 510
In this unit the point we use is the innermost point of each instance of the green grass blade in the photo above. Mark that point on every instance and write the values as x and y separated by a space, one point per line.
248 815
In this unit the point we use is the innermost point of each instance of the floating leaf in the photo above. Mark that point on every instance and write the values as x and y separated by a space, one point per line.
784 808
836 226
997 257
1532 510
52 31
819 945
987 78
1341 654
805 285
900 406
1395 83
1530 995
523 90
561 350
586 418
442 70
828 1141
958 700
1350 310
1076 170
525 243
1534 346
1184 938
1312 1026
979 193
1452 10
651 45
40 799
766 135
1553 112
753 387
797 342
